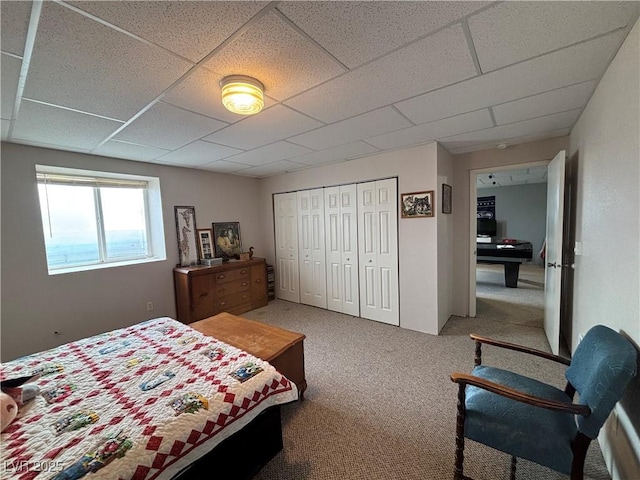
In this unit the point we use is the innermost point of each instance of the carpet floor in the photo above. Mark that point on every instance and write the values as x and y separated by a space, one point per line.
380 404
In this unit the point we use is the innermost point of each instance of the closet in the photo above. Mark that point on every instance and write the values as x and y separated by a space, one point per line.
337 248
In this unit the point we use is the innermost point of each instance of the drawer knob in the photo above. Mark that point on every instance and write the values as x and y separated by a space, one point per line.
258 280
222 304
243 272
244 284
221 276
204 294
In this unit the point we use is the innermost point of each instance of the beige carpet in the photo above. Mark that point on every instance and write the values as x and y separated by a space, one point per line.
380 404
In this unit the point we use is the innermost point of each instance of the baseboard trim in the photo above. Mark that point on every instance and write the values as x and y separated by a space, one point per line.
620 445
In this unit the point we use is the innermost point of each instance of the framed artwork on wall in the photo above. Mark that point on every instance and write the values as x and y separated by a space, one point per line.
205 242
186 231
227 239
417 204
446 198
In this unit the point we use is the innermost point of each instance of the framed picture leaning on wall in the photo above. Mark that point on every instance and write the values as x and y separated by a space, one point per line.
227 239
186 231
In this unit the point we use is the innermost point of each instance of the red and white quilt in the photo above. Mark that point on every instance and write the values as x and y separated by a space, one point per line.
137 403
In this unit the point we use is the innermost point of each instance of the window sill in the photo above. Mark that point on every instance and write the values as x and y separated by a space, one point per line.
98 266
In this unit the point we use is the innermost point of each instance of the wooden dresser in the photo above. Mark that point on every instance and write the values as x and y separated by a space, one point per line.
235 287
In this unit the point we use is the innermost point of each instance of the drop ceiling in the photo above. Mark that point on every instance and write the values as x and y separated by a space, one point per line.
140 80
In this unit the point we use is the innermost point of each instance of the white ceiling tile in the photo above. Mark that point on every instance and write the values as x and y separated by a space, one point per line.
281 58
514 31
269 153
5 129
438 60
271 125
560 100
168 127
56 126
512 142
10 72
198 153
82 64
497 134
15 24
130 151
190 29
200 92
367 125
335 154
222 166
582 62
432 131
272 169
357 32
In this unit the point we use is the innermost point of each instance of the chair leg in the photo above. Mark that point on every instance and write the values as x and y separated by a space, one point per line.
579 446
458 470
513 468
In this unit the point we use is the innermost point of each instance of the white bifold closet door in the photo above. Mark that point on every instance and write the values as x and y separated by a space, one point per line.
311 251
341 226
378 250
286 226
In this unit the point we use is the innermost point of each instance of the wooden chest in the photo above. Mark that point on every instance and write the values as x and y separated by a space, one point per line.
235 287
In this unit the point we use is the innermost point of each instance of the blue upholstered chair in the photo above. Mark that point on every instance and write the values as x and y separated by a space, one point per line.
535 421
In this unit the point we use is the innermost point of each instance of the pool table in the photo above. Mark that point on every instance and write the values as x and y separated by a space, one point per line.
506 251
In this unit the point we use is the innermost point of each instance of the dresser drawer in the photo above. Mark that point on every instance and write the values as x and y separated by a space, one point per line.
231 275
223 289
224 304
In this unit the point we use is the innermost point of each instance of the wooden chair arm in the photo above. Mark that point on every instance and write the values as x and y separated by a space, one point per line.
466 379
520 348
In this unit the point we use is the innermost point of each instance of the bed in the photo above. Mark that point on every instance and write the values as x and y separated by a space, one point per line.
157 400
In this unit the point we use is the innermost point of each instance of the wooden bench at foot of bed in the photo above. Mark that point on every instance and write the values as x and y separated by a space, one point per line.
281 348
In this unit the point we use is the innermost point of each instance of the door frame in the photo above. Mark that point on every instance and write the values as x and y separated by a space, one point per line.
473 208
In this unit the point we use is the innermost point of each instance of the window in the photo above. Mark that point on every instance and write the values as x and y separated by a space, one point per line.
96 219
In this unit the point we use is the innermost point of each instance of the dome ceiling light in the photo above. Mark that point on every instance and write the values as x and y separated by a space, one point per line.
242 95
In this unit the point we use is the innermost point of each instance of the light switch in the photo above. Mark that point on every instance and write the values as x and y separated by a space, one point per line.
578 248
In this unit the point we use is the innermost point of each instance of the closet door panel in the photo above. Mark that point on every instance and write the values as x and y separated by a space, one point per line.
311 226
286 225
378 250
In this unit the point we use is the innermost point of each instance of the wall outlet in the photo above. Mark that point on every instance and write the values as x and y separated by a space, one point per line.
149 306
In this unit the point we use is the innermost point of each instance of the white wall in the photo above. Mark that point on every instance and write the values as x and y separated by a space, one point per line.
606 140
445 239
543 150
80 304
416 169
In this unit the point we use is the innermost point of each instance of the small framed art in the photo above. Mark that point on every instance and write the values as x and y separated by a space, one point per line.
205 242
417 204
446 198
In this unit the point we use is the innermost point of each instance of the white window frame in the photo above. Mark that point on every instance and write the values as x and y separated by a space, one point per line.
156 250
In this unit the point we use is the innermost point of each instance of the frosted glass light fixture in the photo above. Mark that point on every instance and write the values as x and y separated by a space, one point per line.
242 94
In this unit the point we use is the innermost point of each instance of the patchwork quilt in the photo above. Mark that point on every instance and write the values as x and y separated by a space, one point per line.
137 403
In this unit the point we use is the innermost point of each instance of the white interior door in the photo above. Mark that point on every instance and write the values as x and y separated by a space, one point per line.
342 249
311 247
378 250
553 259
286 225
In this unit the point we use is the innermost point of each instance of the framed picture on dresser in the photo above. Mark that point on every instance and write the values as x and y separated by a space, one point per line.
205 242
186 232
227 239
